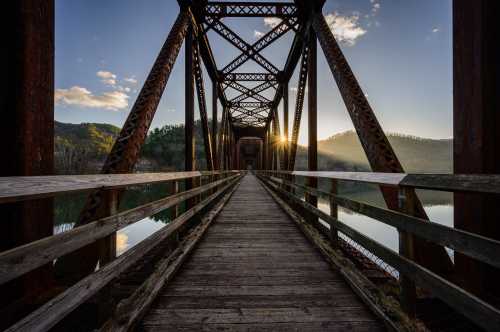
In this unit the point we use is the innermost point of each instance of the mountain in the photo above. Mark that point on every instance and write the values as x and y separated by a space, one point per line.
82 148
418 155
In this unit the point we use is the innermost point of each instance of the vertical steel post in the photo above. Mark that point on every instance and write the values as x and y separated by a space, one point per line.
476 134
285 125
27 131
214 124
189 138
312 109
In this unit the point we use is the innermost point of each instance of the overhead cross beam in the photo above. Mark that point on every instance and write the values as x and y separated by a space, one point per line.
233 38
254 51
250 9
249 77
251 93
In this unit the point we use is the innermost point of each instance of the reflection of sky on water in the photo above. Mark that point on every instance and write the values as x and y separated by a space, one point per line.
387 235
131 235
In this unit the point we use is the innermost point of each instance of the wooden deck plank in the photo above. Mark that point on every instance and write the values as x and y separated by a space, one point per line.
254 270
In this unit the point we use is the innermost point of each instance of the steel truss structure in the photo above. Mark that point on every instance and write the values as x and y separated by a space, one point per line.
254 109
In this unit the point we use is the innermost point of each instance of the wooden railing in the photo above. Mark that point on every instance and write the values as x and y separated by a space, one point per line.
213 187
481 248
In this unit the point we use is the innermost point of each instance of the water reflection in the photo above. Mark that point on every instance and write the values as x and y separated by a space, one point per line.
67 210
437 205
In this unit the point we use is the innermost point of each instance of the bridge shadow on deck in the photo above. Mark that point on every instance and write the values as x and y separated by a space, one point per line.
255 270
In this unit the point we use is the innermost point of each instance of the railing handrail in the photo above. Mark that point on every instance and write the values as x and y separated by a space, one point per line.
21 188
480 183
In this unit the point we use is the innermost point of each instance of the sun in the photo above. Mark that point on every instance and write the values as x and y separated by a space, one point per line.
283 139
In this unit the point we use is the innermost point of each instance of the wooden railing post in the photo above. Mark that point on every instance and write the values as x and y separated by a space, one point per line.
407 249
334 235
175 190
107 245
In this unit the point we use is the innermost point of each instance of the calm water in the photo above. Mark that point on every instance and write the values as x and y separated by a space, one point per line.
439 207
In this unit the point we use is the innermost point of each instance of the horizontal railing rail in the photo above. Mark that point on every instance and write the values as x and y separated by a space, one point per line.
21 188
23 259
442 182
476 246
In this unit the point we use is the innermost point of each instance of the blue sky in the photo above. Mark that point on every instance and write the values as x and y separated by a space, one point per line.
400 51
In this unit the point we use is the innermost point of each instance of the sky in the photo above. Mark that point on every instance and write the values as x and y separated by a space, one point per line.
400 52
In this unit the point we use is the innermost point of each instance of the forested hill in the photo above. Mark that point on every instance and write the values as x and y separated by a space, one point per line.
82 148
415 153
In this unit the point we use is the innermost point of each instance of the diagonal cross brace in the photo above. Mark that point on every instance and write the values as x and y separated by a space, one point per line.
226 33
261 44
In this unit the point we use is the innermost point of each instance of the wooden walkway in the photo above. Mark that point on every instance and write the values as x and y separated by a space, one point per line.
255 270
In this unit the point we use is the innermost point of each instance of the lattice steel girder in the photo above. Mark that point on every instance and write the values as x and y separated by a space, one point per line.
202 105
249 77
239 43
263 42
245 112
252 93
299 103
378 150
251 104
250 9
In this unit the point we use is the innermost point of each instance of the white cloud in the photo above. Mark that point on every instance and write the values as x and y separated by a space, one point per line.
82 97
345 28
107 77
258 34
271 22
435 30
130 80
170 110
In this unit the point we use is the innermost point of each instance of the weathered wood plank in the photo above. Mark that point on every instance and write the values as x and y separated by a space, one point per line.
131 309
254 266
265 327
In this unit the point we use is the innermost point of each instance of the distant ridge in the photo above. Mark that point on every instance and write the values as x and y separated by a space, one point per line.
83 147
417 154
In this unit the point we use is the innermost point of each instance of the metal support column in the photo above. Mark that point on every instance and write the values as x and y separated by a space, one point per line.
312 112
476 132
189 137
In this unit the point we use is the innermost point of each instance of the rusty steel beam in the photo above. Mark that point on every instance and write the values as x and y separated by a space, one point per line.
27 137
250 9
312 116
285 126
249 77
202 105
215 120
189 135
126 149
299 104
476 119
379 151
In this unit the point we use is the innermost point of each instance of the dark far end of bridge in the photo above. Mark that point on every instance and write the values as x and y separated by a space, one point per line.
246 249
